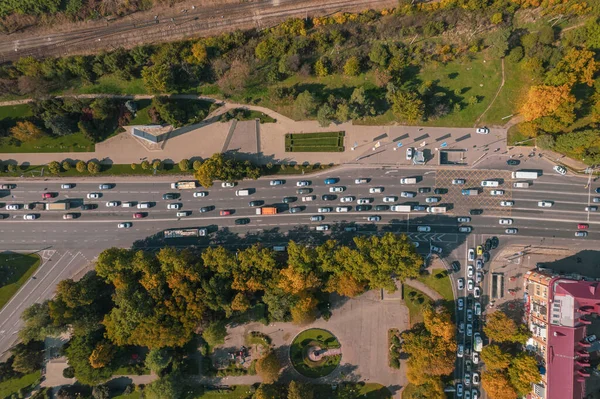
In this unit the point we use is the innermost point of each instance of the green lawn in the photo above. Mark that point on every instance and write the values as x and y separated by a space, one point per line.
439 281
314 142
76 142
107 170
516 84
314 337
141 115
236 392
12 386
414 301
515 136
15 111
112 85
361 390
242 114
133 395
15 270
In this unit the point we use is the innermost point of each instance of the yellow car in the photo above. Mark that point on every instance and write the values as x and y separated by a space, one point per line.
479 250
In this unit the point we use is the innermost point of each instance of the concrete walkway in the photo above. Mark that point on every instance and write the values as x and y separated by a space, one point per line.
374 145
430 292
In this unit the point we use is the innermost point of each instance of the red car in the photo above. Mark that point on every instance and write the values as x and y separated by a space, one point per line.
583 226
224 213
138 215
47 195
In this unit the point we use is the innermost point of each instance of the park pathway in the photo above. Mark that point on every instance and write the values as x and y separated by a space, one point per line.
430 292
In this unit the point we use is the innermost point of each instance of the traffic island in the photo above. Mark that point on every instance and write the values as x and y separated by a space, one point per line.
315 353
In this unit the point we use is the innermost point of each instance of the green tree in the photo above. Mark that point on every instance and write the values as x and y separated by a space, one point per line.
145 165
495 358
322 67
38 323
268 367
81 166
54 167
298 390
500 328
28 357
66 165
523 372
158 78
305 105
496 18
352 66
407 106
93 167
167 387
196 165
133 166
498 42
101 392
324 115
184 165
379 54
158 359
215 333
78 352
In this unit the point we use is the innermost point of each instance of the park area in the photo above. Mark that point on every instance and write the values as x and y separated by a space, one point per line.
15 270
315 142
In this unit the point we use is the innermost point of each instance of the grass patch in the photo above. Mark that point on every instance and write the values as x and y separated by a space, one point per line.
242 114
141 115
516 84
110 84
15 270
12 386
15 111
315 142
360 390
310 338
515 135
415 300
133 395
234 392
107 170
75 142
439 281
257 338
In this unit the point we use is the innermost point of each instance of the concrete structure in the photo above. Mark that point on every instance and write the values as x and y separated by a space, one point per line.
557 312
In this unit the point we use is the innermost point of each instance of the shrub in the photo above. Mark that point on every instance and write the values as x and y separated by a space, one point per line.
145 165
11 167
69 372
54 167
157 164
184 165
93 167
196 165
66 165
81 166
133 166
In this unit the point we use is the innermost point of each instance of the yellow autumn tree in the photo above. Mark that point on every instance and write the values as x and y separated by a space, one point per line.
294 281
497 385
26 131
439 323
346 285
199 52
102 355
581 64
546 100
304 311
240 303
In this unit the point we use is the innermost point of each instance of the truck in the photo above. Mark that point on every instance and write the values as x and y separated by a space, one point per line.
436 209
401 208
470 191
184 185
521 174
185 233
521 184
266 210
477 342
408 180
34 206
57 206
242 193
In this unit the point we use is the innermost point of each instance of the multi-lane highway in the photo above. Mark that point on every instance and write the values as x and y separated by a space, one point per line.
68 245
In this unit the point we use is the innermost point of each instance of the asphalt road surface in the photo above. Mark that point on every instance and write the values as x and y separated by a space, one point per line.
70 245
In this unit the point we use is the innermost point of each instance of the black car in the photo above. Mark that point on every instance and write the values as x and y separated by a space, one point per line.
495 242
295 209
423 190
170 196
362 208
440 191
455 266
88 207
302 191
475 211
327 197
597 190
486 256
242 221
207 208
382 207
287 200
488 244
513 162
256 203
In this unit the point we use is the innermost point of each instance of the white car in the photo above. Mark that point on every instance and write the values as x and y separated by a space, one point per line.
390 199
373 218
227 184
591 208
489 183
511 231
478 277
497 192
560 170
505 221
363 201
437 250
376 190
545 204
30 216
465 229
276 182
323 227
347 199
431 200
476 379
460 303
125 225
325 209
302 183
461 283
471 254
407 194
477 308
470 285
67 186
470 271
409 153
309 198
336 189
479 264
461 350
342 209
423 229
360 181
181 214
463 219
198 194
507 203
174 206
13 207
458 181
93 195
476 292
482 130
112 204
475 357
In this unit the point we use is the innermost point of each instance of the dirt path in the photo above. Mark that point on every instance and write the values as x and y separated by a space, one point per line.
496 96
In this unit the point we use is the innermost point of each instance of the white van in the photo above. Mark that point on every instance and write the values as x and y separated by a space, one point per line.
489 183
182 214
242 193
323 227
342 209
143 205
309 198
127 204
